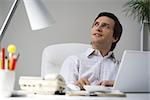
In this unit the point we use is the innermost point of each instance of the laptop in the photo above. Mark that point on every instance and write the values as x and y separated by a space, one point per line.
134 72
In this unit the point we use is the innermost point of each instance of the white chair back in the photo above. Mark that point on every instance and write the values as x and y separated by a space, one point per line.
54 55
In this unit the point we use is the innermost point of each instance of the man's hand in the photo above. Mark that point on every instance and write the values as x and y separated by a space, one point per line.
109 83
81 82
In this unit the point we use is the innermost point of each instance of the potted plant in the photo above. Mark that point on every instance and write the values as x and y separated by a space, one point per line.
140 10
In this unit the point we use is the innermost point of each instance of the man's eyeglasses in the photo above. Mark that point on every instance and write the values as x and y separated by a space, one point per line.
104 26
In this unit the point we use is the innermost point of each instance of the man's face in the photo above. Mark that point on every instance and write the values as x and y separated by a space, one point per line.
102 31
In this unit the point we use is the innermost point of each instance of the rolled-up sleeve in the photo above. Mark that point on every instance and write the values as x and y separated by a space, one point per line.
69 69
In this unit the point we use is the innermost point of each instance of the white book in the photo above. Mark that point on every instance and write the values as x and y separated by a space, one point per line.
38 85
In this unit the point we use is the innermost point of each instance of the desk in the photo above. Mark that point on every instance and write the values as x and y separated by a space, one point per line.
131 96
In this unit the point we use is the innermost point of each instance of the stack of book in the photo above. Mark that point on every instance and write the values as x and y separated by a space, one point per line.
50 84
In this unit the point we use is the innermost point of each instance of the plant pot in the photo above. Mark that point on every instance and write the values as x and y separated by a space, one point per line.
146 36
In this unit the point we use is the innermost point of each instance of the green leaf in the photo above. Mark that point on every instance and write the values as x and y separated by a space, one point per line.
139 9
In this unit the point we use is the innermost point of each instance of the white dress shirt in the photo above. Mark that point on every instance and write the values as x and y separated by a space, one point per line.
90 65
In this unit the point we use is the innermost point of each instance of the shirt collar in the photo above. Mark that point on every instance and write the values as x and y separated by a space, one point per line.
89 52
92 51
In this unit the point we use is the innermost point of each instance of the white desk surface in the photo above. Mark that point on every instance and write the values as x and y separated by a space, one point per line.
130 96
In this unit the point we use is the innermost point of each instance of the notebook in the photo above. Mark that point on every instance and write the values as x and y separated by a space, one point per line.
134 72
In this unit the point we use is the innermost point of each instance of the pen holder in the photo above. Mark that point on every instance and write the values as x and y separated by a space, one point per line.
7 81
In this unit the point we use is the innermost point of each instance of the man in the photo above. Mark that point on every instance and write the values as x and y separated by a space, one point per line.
96 66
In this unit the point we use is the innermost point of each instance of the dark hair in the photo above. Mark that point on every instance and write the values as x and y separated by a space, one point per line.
117 28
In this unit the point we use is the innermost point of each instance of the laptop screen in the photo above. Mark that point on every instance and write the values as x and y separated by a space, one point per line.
134 72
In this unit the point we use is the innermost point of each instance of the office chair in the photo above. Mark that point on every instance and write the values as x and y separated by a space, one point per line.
54 55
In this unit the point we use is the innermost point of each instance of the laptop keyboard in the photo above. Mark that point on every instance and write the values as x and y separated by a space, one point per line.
97 88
